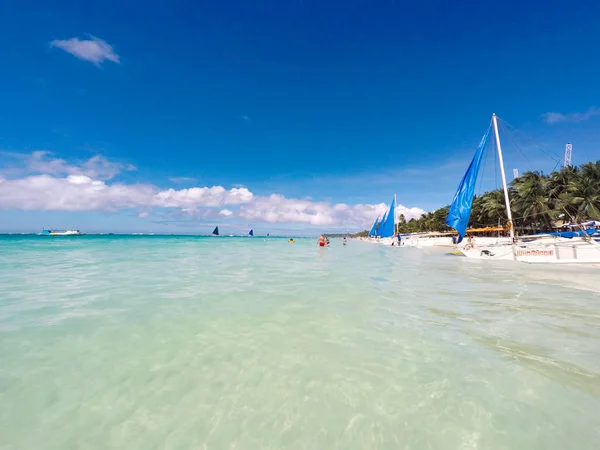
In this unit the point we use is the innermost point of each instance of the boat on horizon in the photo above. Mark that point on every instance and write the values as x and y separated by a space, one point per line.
71 232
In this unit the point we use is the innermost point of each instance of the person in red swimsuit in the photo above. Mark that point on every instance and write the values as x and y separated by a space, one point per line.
321 241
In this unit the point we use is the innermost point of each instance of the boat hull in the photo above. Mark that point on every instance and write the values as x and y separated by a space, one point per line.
580 252
447 241
60 233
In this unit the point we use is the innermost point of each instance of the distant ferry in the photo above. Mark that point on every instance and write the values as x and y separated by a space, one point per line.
59 233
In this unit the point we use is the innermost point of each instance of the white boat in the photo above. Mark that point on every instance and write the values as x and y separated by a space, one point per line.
549 248
546 251
430 239
71 232
425 240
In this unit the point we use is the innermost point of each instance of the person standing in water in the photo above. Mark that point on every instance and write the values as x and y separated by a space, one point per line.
321 241
344 240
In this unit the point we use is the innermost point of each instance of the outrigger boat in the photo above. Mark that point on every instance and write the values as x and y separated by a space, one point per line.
548 248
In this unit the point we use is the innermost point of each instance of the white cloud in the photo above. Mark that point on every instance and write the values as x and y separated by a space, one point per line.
204 196
277 208
42 162
55 185
552 118
94 50
82 193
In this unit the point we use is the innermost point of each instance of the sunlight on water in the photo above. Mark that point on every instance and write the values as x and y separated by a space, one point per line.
167 342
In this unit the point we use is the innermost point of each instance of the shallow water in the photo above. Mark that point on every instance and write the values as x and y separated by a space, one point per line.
178 342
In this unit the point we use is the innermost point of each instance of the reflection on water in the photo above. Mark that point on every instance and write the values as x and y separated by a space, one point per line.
154 342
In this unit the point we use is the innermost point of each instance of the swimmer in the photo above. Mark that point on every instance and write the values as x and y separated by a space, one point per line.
344 240
321 241
291 240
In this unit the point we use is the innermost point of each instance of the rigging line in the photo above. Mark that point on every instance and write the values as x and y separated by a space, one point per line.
512 139
550 155
555 166
541 147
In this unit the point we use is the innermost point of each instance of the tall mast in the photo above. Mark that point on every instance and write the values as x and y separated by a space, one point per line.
395 205
510 222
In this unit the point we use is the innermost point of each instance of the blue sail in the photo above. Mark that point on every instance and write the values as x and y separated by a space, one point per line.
251 233
384 218
374 228
460 209
381 222
386 229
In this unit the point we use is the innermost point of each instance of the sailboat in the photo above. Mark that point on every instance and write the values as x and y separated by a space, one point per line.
251 233
373 231
542 249
387 227
216 231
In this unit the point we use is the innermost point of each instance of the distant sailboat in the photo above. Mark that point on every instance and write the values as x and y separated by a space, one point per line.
380 224
251 233
268 234
388 225
384 228
373 231
216 231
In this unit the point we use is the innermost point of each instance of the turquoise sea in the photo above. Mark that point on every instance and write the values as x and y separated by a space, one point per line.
152 342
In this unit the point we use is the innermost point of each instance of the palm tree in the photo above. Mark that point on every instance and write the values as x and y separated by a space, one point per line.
426 222
439 219
401 225
560 180
591 170
558 184
531 199
582 198
536 200
478 216
494 208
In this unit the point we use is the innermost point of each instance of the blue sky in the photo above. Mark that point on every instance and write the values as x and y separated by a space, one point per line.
316 103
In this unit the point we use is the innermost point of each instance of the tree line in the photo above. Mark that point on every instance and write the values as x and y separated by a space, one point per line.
538 203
